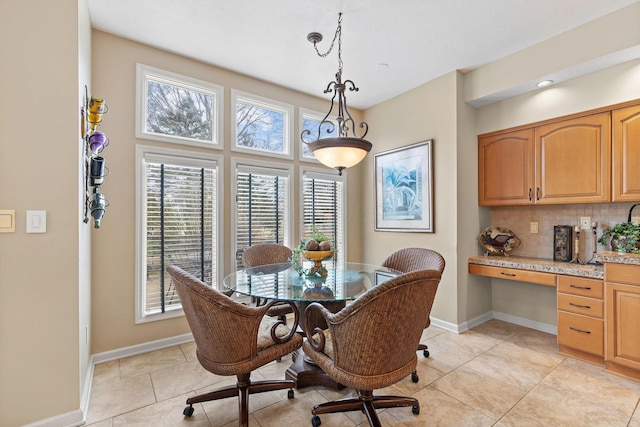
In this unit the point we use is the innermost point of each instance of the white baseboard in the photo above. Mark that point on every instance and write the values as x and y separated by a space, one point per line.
70 419
539 326
458 328
471 323
146 347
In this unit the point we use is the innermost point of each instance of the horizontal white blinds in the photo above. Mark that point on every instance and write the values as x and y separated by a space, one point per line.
262 209
323 208
180 228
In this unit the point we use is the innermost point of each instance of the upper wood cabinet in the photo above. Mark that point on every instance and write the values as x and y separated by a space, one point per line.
558 162
573 160
626 154
505 168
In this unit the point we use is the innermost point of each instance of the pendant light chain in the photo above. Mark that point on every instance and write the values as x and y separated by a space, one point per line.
338 36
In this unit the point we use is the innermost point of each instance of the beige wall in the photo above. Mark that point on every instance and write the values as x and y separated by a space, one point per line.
113 250
427 112
40 274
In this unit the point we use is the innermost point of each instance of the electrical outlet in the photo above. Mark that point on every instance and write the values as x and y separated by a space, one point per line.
635 219
585 222
533 227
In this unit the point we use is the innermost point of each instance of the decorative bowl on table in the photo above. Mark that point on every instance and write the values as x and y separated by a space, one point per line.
498 240
317 257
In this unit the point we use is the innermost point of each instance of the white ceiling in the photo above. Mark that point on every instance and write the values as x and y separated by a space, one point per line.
418 40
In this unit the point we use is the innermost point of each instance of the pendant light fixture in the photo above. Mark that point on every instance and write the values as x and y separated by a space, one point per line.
346 149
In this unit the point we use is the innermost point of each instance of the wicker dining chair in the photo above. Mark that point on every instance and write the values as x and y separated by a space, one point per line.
414 259
371 343
265 254
233 339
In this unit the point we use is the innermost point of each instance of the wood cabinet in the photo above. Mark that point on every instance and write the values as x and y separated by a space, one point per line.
573 160
581 318
560 162
506 169
507 273
626 154
622 293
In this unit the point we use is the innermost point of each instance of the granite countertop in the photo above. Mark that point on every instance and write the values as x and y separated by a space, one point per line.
617 257
595 271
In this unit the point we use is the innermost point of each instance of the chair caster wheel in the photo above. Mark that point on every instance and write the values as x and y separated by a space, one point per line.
315 421
415 410
425 353
188 411
290 394
414 377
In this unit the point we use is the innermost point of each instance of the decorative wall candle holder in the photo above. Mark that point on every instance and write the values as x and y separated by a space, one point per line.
91 115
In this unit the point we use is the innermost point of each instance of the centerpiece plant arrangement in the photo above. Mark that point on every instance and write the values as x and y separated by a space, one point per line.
317 247
625 237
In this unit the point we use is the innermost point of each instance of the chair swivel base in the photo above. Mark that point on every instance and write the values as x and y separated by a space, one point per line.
365 402
243 388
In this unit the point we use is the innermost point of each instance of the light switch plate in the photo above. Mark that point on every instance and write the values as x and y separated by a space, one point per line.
533 227
36 221
7 221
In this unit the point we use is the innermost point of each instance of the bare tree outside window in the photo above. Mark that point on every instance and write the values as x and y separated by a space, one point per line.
259 128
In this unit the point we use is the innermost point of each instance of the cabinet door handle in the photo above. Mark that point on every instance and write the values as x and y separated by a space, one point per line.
579 305
508 274
580 287
530 193
538 193
579 330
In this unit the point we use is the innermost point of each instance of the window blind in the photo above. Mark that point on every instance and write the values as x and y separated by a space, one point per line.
180 229
262 209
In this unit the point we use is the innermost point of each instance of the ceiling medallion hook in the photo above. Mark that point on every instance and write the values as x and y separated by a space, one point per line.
341 151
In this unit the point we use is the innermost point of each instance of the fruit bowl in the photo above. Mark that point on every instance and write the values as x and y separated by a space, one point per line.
318 256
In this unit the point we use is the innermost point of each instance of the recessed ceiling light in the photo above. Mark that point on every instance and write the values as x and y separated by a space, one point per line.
545 83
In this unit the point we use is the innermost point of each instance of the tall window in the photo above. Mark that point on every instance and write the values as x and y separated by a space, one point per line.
323 207
177 225
262 214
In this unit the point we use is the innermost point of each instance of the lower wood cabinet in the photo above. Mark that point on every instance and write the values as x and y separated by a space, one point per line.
581 318
622 288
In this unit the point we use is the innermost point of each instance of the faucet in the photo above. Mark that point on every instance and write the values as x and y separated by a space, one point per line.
631 210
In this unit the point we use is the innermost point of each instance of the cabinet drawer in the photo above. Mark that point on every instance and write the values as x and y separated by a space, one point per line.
581 333
592 288
548 279
622 273
581 305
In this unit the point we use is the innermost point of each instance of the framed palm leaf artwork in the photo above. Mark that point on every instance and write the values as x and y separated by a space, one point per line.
404 188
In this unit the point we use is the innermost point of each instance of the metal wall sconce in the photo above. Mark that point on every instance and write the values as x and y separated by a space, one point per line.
95 141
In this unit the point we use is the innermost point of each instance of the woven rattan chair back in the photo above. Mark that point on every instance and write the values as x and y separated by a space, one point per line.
264 254
414 259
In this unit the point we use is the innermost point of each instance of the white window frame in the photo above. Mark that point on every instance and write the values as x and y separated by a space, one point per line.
144 73
305 113
259 167
261 102
185 157
317 173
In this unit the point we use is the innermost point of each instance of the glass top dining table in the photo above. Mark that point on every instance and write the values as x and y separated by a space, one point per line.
344 281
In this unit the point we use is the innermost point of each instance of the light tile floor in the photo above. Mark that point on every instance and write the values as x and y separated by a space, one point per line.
497 374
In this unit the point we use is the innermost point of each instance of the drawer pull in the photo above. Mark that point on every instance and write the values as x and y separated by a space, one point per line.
579 305
580 287
508 274
579 330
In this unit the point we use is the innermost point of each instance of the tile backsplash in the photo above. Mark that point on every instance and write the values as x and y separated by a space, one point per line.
540 245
